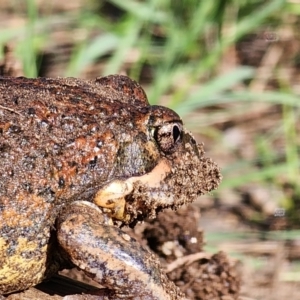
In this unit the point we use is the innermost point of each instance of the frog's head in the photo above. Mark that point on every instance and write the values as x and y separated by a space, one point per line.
169 169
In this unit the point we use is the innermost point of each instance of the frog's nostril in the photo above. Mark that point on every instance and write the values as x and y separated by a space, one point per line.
193 141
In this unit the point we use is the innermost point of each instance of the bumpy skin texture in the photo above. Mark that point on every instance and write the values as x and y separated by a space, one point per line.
68 146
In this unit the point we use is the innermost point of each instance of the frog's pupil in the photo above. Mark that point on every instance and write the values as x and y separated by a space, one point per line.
176 133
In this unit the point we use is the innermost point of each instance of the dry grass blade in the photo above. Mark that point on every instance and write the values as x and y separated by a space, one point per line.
186 260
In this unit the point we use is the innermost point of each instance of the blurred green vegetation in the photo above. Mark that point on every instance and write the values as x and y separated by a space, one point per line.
179 46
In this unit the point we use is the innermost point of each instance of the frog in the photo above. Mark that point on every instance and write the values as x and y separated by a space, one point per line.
80 160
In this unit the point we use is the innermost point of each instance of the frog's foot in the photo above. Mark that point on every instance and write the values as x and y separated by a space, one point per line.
111 257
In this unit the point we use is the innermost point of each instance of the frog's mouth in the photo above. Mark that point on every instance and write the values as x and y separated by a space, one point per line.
117 197
172 183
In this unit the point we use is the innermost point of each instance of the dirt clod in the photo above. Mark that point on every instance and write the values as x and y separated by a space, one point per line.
175 237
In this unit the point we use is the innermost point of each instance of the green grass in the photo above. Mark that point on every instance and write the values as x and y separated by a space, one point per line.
183 42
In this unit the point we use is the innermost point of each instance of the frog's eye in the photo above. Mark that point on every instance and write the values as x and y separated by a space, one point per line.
168 136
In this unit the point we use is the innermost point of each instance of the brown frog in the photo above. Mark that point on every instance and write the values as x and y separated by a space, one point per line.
80 159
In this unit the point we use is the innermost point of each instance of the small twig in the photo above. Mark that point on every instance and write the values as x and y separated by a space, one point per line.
10 109
186 260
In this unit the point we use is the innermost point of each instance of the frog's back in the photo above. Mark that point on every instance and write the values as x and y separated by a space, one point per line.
55 136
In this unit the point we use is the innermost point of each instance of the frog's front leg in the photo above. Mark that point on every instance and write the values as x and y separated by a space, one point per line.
111 257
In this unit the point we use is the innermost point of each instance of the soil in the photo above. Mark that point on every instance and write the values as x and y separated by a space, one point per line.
176 238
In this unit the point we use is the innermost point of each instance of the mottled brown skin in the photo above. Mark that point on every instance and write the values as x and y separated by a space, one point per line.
78 159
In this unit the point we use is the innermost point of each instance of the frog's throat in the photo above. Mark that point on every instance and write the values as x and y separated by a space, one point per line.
112 196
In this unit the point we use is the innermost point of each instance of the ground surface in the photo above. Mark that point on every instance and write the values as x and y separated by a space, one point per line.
178 240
